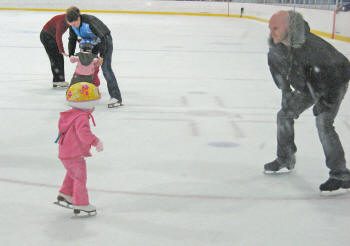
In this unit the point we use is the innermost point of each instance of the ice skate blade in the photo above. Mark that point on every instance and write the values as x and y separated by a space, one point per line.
78 213
279 172
333 193
60 85
114 105
59 88
63 204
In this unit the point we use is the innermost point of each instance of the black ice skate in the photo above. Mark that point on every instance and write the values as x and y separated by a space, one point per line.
333 184
88 210
113 103
279 167
64 201
62 84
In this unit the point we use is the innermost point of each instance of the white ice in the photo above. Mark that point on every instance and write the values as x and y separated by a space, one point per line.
183 158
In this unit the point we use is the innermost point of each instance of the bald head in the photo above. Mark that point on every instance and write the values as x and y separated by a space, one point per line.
278 25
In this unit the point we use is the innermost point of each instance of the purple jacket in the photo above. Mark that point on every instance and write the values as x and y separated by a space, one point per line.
76 137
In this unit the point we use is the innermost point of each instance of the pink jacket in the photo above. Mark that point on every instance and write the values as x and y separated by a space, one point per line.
82 69
76 137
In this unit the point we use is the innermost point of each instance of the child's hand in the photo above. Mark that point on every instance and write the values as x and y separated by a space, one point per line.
100 61
99 146
74 59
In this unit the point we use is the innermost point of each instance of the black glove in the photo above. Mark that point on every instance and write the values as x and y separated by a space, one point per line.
321 106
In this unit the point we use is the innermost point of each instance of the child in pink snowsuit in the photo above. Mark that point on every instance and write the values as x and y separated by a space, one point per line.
87 67
75 141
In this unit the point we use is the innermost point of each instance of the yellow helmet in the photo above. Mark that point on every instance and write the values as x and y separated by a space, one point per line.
82 95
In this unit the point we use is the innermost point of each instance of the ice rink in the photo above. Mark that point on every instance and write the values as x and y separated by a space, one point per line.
183 160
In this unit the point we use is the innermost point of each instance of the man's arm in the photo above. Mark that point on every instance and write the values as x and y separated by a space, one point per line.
102 47
61 28
279 70
99 29
72 42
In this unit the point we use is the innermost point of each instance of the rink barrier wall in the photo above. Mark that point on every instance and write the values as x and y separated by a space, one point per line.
227 15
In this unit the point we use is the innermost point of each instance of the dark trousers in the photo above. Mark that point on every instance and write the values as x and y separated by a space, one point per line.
81 78
56 59
292 107
108 73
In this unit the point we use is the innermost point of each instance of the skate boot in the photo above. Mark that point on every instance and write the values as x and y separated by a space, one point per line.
113 103
61 84
64 200
333 184
279 166
89 210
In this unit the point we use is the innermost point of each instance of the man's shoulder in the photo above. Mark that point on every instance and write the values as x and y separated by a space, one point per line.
314 40
316 44
58 17
88 18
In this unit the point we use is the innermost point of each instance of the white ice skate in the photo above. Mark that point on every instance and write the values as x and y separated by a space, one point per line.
62 84
64 200
113 103
89 210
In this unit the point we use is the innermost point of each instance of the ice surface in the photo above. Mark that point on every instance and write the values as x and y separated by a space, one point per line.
183 159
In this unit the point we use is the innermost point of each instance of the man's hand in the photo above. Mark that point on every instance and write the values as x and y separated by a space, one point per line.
321 106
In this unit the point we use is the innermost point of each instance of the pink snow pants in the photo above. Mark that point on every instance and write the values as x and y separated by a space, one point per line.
95 78
74 183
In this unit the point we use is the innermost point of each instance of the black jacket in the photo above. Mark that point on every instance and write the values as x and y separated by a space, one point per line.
308 58
97 27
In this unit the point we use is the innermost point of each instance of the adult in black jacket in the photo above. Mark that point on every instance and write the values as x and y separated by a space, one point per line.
309 72
92 30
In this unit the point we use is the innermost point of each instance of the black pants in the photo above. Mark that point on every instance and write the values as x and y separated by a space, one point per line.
332 147
56 59
108 73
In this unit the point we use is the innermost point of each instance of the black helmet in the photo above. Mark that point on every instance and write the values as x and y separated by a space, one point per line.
86 46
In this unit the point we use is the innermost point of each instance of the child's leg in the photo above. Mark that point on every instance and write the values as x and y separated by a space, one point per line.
80 194
95 79
76 169
67 185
